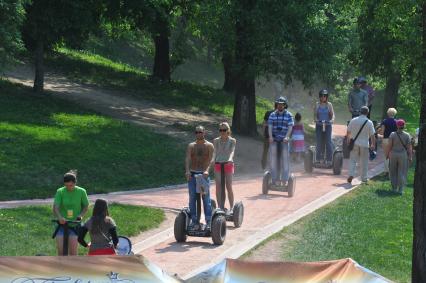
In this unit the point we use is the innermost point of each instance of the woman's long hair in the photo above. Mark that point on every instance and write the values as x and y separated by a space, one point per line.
99 216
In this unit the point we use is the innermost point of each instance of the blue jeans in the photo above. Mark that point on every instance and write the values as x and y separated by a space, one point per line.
193 199
284 161
324 143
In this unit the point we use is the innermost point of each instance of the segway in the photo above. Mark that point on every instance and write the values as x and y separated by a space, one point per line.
66 229
311 161
267 185
217 229
236 215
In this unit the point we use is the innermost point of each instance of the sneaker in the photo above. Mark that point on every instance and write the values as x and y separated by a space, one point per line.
350 178
208 225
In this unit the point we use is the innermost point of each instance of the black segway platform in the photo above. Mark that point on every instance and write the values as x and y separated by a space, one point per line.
217 231
267 184
311 162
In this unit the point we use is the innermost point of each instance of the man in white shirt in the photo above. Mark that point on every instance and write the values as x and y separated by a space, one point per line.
360 153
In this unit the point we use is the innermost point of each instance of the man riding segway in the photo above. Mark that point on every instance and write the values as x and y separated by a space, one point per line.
280 125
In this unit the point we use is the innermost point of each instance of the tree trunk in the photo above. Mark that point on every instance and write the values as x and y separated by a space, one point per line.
393 81
229 72
419 206
39 67
162 53
244 117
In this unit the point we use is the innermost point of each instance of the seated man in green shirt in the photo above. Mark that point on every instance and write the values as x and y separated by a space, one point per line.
70 204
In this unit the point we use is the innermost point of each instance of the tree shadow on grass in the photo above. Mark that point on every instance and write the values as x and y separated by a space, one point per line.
386 193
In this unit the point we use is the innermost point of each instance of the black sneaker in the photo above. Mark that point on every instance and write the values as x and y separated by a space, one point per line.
350 178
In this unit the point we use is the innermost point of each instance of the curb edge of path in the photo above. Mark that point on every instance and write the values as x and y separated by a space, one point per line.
246 245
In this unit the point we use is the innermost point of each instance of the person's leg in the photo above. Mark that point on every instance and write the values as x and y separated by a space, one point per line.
72 244
217 179
265 153
318 137
393 172
192 199
285 162
328 143
403 159
354 155
364 163
60 244
386 163
207 205
273 161
228 177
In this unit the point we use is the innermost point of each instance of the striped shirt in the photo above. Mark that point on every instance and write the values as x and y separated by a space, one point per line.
279 123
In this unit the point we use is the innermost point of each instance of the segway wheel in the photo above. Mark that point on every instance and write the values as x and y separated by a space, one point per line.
291 185
214 205
218 229
337 163
346 152
266 183
309 161
238 213
180 227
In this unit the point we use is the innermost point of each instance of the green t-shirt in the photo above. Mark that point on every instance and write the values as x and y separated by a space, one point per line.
70 203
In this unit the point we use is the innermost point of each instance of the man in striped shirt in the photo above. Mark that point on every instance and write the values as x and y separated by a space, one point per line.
280 124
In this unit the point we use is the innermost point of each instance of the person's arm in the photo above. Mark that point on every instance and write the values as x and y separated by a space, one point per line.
288 135
372 136
114 236
349 133
410 152
389 146
215 146
81 234
57 202
188 162
211 150
234 144
332 112
271 139
84 205
382 129
83 212
315 112
350 102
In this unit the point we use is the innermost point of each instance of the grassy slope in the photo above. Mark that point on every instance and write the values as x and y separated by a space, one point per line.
94 69
370 225
21 235
42 137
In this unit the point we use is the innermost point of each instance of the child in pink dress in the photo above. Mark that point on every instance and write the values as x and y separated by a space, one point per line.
298 138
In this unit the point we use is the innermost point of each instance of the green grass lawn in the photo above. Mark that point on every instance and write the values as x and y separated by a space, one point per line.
90 68
370 225
27 231
42 137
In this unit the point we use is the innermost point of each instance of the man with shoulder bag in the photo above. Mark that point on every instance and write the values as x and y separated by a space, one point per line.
360 135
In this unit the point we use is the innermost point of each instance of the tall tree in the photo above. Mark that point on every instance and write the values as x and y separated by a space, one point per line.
158 17
389 43
49 22
419 207
11 17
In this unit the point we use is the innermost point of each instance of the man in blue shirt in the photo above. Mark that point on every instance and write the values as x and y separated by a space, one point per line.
280 124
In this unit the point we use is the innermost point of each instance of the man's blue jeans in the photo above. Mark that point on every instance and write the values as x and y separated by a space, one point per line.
284 161
324 143
193 199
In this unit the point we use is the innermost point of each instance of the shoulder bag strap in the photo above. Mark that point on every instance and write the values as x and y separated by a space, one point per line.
402 141
360 130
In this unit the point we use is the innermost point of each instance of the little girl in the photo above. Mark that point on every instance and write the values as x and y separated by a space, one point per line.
298 138
102 230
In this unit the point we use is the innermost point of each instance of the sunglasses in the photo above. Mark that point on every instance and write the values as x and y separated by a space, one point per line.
198 132
223 130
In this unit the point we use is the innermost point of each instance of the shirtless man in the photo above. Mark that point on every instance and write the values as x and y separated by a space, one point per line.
198 157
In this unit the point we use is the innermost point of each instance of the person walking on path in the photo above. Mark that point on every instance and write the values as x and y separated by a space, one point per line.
102 230
324 118
70 204
280 124
361 129
198 158
400 153
298 138
223 155
387 127
370 91
266 137
357 98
